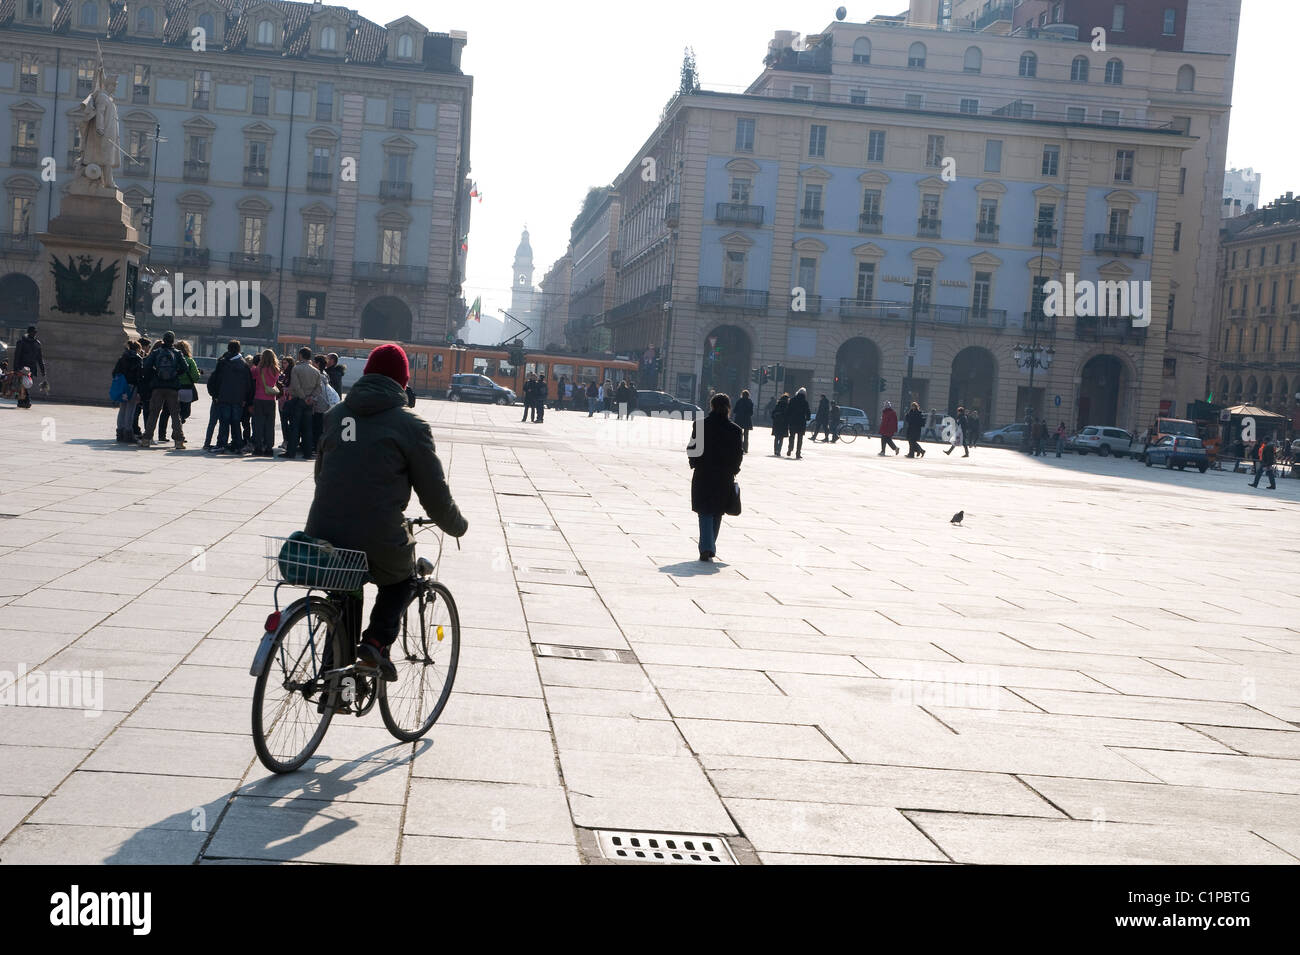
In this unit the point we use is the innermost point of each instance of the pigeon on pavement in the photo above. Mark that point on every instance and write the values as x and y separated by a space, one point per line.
956 518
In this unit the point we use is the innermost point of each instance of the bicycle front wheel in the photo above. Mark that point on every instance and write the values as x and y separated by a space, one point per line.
847 434
287 724
425 654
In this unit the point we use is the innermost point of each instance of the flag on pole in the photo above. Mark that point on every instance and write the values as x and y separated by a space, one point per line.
474 193
476 310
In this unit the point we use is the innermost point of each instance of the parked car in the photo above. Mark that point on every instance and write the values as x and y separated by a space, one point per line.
662 403
1178 451
1008 434
473 387
855 418
1104 440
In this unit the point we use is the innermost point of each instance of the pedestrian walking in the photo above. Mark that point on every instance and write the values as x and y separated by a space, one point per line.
1040 438
593 394
530 384
796 421
558 402
821 423
743 415
779 430
620 396
959 433
714 491
631 397
973 427
888 428
914 420
1060 438
539 400
266 389
162 369
129 366
27 354
835 420
1267 465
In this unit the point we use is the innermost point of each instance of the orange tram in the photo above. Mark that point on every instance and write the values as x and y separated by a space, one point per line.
433 365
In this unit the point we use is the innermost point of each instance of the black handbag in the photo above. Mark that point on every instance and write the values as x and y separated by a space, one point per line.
733 502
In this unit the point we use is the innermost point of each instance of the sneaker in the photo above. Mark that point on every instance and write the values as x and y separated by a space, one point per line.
180 445
146 443
370 655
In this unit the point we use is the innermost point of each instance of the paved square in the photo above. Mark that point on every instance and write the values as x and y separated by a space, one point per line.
1101 664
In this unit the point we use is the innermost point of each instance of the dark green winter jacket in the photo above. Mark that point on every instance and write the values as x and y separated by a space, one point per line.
374 452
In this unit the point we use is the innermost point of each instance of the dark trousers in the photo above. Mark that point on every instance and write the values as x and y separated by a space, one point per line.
710 525
528 406
821 427
790 447
164 400
385 614
744 440
213 418
263 425
317 429
141 411
297 429
913 447
228 435
1271 471
887 440
776 443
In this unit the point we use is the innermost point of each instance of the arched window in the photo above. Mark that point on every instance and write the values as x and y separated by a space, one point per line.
208 25
973 61
144 21
1028 64
1186 79
405 46
265 32
89 14
1223 388
861 50
1115 73
329 38
916 56
1079 70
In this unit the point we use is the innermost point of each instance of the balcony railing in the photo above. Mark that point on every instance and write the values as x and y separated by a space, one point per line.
1108 329
84 86
137 165
19 244
139 93
712 296
1105 242
199 100
672 214
1239 312
399 274
182 255
811 218
927 228
1045 236
309 265
261 105
986 317
22 155
1266 313
872 224
812 306
995 15
27 84
256 176
320 182
852 308
651 302
986 232
740 213
1045 324
395 189
251 262
196 170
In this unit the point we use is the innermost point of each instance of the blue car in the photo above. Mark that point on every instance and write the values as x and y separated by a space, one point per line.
1178 451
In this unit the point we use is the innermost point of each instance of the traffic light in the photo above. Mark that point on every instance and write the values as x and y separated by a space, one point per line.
883 384
767 374
780 372
836 386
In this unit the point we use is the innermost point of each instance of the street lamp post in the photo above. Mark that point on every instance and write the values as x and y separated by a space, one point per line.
911 352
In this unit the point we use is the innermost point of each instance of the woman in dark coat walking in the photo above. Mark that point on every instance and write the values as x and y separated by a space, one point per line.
715 465
778 423
796 420
743 415
914 419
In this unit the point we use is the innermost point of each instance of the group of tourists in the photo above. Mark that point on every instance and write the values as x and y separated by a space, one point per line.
603 396
155 383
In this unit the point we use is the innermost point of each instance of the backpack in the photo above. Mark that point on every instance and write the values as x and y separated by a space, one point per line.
165 365
215 378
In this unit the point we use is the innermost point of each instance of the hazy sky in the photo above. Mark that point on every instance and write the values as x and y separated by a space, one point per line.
566 92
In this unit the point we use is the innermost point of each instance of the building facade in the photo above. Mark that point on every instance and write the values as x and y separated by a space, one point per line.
293 144
1257 345
1241 192
894 173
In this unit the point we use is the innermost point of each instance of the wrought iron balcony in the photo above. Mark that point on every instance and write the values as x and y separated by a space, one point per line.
712 296
812 306
986 317
137 165
650 303
1266 313
811 218
261 105
398 274
257 176
869 223
27 84
740 213
185 256
927 228
199 100
19 245
140 93
320 181
999 13
1045 236
251 262
1106 242
84 86
1043 324
853 308
986 232
22 155
196 170
1108 328
306 265
395 189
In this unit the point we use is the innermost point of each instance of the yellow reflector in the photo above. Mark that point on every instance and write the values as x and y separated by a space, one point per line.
439 632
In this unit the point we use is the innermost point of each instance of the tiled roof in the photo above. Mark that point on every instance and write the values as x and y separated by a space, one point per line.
367 42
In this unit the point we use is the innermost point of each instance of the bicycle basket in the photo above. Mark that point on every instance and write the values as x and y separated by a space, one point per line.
302 561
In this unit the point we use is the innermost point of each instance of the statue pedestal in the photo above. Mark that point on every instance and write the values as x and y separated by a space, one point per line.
92 254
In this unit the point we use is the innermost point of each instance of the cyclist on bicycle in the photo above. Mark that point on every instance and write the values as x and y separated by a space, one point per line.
373 453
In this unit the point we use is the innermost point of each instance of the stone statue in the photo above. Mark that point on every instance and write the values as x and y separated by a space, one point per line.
97 115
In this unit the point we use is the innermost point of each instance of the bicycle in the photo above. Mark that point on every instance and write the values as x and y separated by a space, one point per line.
848 433
299 687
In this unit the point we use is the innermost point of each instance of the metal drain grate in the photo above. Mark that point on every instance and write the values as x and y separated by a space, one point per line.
674 848
585 653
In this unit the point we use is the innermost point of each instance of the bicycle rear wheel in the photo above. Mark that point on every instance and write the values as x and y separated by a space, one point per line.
286 725
425 654
847 433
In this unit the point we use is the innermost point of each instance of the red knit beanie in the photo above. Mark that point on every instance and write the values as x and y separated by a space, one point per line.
389 360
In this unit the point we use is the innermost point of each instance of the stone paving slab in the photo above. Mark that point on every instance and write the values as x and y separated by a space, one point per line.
854 681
